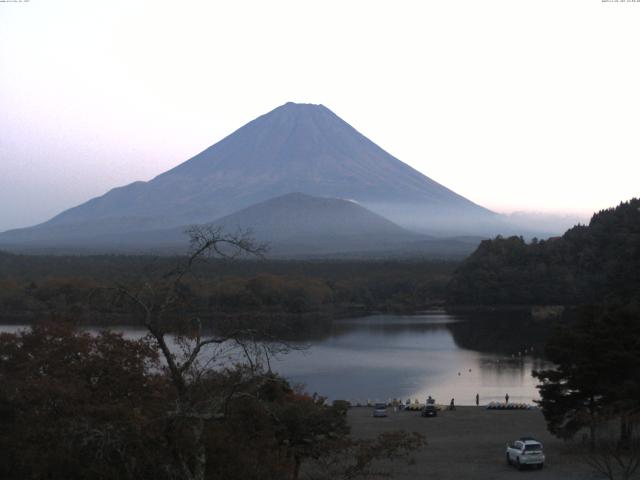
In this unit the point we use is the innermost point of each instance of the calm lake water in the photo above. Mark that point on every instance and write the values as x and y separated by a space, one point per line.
381 357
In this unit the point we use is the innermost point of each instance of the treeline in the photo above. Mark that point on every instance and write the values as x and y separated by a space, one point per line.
82 288
596 263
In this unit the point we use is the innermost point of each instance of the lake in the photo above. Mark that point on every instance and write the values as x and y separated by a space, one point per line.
381 357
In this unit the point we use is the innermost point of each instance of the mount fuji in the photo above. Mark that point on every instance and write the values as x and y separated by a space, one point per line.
294 148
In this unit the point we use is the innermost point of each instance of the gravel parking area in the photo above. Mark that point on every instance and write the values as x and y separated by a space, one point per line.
469 443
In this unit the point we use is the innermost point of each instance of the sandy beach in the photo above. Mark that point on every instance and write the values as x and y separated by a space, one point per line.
469 443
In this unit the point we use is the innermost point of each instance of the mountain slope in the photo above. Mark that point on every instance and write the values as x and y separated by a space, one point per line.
296 147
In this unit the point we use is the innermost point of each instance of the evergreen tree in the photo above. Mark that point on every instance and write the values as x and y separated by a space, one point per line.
596 377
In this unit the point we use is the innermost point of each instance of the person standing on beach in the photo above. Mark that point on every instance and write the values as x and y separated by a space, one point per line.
506 398
452 405
477 399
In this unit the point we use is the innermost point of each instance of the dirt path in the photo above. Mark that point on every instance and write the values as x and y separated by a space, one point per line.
469 443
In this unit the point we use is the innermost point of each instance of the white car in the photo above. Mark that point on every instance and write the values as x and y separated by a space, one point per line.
525 451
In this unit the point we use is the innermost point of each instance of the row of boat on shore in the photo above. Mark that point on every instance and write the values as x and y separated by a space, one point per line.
418 406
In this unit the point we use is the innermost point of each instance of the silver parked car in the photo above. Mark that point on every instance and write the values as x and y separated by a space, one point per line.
380 410
525 451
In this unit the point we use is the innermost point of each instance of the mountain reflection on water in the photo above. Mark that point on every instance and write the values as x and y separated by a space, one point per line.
381 357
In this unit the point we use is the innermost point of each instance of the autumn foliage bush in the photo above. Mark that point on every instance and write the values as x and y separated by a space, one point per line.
78 405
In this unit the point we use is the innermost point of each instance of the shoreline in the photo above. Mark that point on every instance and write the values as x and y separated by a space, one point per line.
118 319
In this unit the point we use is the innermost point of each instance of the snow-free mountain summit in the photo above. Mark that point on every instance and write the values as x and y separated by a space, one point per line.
294 148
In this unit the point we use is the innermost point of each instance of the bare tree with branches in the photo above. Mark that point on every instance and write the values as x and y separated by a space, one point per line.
611 456
190 354
209 370
613 461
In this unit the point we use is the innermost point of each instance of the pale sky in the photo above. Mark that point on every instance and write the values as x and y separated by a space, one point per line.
517 105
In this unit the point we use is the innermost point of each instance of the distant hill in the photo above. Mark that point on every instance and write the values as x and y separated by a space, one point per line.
589 264
294 148
299 224
294 223
299 216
